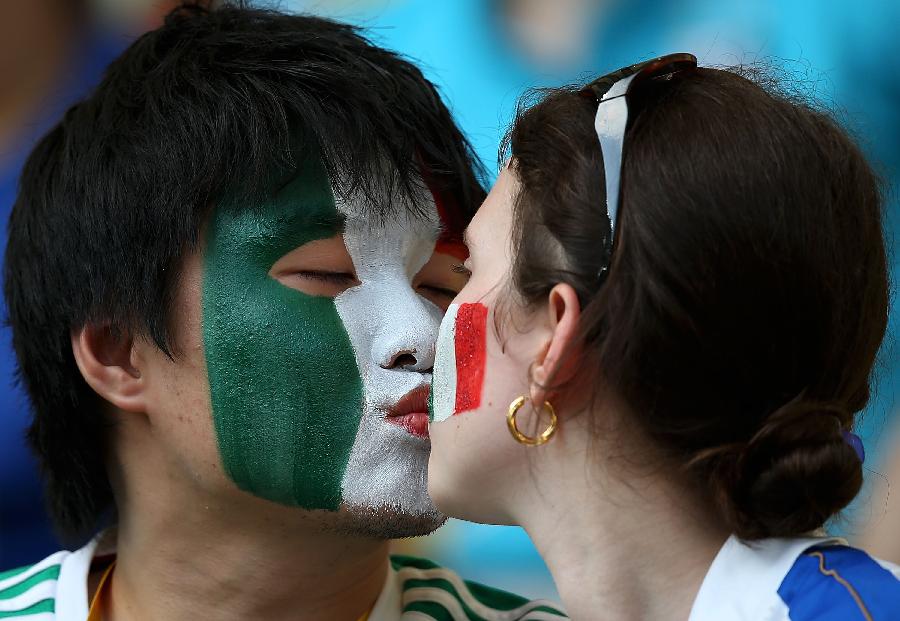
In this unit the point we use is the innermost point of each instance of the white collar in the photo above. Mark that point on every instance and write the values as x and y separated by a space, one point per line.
71 586
389 605
743 580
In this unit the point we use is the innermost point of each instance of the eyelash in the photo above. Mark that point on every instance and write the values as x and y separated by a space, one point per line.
342 278
331 277
459 268
450 293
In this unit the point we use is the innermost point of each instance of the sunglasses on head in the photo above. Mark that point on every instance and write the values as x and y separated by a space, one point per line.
611 93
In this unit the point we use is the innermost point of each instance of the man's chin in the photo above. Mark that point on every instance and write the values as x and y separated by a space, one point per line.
387 522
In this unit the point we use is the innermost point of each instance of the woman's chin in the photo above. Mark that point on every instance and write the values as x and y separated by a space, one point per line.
460 496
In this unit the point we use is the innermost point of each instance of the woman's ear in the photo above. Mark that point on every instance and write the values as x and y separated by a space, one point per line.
105 358
564 311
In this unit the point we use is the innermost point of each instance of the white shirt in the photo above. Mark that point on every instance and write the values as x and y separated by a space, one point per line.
797 579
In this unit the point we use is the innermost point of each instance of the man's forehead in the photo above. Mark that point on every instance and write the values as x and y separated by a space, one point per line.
372 200
378 198
384 203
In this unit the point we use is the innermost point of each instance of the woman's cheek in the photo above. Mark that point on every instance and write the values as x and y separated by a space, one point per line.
474 382
459 367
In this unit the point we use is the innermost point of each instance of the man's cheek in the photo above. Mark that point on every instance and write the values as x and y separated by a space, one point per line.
460 362
285 389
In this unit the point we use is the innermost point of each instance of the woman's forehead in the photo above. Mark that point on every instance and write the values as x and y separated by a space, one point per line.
495 213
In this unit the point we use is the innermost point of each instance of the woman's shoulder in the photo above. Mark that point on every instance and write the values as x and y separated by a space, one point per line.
800 579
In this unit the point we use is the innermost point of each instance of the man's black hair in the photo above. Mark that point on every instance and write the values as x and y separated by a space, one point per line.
115 195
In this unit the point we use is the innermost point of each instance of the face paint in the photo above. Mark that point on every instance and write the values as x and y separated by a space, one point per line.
303 387
386 318
459 366
450 241
284 383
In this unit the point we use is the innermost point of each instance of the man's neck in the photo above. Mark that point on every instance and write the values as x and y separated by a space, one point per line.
183 572
182 554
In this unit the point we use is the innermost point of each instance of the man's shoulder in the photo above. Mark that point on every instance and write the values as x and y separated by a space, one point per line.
429 591
29 593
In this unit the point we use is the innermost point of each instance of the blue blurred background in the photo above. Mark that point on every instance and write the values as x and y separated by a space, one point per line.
483 54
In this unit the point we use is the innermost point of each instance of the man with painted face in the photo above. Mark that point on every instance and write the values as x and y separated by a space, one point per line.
225 273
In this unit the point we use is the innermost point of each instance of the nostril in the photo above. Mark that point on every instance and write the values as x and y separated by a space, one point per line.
404 360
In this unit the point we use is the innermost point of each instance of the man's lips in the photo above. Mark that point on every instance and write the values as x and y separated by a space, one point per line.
411 412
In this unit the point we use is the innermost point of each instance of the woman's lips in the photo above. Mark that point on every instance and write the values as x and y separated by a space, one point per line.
411 412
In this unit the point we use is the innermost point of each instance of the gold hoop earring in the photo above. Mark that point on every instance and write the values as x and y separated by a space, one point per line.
520 437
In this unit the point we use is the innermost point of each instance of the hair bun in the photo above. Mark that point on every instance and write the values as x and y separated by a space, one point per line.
794 474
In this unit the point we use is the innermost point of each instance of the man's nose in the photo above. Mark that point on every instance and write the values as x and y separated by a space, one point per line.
408 337
404 360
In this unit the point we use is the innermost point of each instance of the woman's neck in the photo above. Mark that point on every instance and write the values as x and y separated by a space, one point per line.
634 547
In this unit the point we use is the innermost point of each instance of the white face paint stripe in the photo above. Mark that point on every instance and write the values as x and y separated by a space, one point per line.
384 316
444 385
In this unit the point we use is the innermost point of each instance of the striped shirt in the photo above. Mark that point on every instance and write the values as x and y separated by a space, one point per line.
416 590
30 593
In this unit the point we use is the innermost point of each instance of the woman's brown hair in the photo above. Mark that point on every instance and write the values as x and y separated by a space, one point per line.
747 294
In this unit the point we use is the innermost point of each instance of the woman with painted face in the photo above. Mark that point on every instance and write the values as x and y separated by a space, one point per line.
678 289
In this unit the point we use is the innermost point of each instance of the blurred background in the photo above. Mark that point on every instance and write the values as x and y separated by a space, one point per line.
483 54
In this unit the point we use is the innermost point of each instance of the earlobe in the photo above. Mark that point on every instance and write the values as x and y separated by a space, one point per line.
564 311
104 358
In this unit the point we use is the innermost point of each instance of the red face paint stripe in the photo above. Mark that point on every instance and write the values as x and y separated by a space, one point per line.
471 327
456 250
450 241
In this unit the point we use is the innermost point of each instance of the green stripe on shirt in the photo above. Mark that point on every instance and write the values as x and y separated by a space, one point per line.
432 609
443 585
424 575
50 573
9 573
46 605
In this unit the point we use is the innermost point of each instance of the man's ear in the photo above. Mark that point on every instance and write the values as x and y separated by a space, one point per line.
564 311
104 357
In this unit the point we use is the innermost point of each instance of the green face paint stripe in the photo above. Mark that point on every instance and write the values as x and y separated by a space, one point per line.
285 389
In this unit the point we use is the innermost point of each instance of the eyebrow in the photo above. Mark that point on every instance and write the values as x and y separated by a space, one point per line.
336 222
